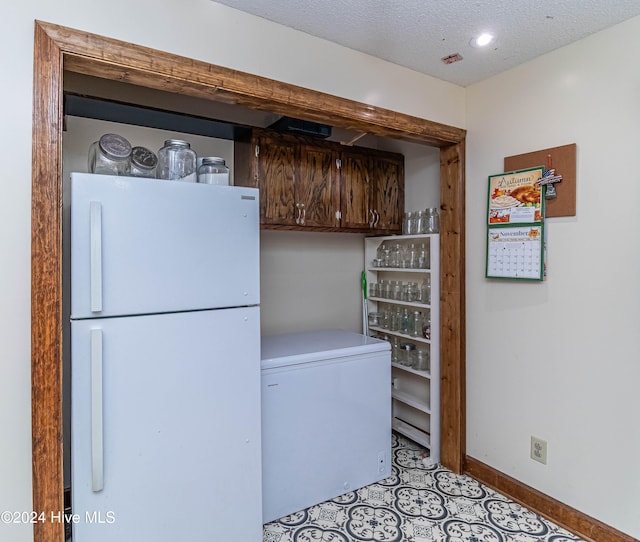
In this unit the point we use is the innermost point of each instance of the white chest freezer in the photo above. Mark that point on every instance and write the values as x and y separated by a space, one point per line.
326 417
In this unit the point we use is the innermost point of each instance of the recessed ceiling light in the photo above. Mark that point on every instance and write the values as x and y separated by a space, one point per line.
482 40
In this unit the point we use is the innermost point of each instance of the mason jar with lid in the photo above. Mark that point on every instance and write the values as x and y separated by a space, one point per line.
177 161
110 155
143 162
213 170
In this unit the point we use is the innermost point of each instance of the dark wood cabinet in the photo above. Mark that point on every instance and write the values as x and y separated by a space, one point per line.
307 183
316 187
372 185
387 193
355 197
298 180
275 161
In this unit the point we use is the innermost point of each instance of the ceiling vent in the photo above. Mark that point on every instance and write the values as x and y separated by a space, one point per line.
450 59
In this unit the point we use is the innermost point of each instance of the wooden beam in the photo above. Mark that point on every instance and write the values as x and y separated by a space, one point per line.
121 61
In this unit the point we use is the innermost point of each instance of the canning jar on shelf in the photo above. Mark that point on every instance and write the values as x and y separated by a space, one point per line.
432 220
422 359
407 354
424 293
407 223
416 324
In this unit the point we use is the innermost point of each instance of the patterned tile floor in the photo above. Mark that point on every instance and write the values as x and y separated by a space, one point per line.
417 504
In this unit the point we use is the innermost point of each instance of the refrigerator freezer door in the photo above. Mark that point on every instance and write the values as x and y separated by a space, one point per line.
166 427
145 246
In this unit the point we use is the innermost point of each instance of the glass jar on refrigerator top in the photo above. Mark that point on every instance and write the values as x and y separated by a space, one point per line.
213 170
110 155
143 163
177 161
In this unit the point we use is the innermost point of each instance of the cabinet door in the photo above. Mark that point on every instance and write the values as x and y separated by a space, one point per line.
276 176
316 188
387 194
355 185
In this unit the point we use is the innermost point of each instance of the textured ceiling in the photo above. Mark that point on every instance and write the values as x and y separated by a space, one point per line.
417 34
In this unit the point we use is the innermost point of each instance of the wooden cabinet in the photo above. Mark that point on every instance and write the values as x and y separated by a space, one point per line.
307 183
355 194
387 194
372 190
317 189
298 181
275 161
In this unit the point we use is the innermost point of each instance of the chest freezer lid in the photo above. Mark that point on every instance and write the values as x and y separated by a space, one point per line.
309 346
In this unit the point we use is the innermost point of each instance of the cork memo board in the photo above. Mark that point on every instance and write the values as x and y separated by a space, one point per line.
563 160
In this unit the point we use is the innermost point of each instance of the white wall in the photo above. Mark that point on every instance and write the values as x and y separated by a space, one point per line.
310 280
194 28
559 360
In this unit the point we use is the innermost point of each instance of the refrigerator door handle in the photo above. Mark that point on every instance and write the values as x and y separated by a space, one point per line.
97 456
95 234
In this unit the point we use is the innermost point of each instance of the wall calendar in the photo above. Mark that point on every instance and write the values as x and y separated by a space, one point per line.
515 225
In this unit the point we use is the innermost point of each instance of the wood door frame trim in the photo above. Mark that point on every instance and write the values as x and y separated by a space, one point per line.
57 49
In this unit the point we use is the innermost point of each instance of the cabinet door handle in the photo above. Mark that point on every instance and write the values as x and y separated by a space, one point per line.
297 213
372 219
304 213
377 215
97 456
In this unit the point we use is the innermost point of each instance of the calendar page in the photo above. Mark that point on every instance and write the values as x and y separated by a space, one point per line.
515 225
516 252
516 197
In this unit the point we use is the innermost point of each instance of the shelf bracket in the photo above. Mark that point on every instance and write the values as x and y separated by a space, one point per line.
353 139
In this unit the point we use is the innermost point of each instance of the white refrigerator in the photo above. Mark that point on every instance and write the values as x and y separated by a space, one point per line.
165 361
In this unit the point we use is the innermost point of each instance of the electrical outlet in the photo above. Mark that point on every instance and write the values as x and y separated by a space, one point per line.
539 450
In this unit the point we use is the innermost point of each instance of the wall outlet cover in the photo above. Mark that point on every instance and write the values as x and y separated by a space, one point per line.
539 450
